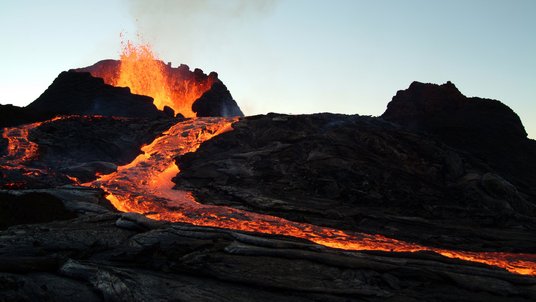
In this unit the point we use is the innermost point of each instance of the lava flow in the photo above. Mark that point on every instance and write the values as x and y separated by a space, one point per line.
20 148
144 186
21 151
141 71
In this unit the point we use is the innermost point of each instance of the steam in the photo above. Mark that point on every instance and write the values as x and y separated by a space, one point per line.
188 27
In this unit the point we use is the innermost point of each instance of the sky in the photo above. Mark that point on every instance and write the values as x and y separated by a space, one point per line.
287 56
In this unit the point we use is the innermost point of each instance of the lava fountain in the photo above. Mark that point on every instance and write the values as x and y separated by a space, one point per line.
140 69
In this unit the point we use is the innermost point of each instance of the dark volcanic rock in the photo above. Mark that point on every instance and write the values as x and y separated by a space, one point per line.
361 173
30 208
81 147
486 128
13 115
216 102
82 140
80 93
443 109
75 201
3 144
127 257
349 172
77 92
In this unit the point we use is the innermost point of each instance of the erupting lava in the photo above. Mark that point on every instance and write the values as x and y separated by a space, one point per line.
144 186
141 71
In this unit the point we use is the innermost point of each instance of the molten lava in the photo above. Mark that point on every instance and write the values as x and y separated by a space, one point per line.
20 148
21 151
144 186
141 71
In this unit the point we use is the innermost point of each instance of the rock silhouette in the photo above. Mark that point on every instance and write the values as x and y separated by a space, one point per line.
484 128
216 101
82 94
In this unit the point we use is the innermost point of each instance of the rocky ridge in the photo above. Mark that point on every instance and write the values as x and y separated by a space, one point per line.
485 128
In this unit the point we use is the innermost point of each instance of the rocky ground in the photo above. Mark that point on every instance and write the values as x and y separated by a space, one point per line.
60 241
80 147
124 257
364 174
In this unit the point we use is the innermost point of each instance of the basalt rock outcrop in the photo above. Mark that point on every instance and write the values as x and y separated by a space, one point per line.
80 93
124 257
443 109
485 128
216 102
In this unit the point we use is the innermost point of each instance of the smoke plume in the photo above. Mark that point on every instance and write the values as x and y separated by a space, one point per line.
189 27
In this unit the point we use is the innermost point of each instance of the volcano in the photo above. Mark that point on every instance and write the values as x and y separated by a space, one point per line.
134 180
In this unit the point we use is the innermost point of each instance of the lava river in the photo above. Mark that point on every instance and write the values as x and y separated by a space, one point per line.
144 186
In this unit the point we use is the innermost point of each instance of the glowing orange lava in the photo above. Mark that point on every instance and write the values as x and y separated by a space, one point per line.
145 74
20 148
22 151
144 186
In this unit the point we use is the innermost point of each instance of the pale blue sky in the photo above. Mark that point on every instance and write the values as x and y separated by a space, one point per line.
293 56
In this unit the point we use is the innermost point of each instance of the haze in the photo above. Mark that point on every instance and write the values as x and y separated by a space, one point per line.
292 56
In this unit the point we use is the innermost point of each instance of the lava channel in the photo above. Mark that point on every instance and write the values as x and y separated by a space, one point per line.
144 186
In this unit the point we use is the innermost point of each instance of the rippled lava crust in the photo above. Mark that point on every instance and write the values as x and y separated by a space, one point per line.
405 175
